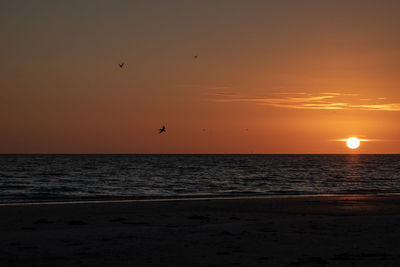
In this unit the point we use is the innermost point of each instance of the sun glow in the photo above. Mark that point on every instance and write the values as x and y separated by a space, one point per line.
353 142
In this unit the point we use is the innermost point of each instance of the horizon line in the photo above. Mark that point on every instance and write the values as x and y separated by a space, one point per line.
89 153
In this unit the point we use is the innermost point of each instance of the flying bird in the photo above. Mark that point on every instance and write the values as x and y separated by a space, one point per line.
162 130
121 65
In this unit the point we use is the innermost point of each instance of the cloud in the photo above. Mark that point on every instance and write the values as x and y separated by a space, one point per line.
220 91
218 88
330 94
366 140
297 93
322 101
188 85
224 93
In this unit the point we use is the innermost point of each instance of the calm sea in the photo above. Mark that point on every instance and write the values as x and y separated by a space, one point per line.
32 178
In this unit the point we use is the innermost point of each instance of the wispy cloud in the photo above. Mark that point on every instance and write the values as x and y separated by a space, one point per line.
366 140
330 94
220 91
218 88
188 85
322 101
224 93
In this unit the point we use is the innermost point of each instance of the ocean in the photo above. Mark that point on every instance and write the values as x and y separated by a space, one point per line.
43 178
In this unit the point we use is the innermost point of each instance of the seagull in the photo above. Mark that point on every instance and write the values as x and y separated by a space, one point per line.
162 130
121 65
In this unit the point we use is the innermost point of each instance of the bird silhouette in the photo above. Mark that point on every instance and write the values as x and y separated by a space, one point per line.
162 130
121 65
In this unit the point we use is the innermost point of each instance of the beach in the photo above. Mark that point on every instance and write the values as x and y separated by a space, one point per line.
353 230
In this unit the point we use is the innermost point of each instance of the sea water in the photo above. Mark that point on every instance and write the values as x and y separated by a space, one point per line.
35 178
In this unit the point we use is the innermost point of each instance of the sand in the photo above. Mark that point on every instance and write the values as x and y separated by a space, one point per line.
306 231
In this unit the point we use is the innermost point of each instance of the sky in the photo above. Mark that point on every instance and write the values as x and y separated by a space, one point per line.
283 76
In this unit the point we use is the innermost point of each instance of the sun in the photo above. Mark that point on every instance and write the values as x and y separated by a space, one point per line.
353 142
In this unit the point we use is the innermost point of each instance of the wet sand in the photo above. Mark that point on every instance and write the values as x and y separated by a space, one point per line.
309 231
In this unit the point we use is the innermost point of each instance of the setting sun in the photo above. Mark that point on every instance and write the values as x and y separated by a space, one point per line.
353 142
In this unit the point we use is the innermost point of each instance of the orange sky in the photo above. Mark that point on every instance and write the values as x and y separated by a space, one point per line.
271 76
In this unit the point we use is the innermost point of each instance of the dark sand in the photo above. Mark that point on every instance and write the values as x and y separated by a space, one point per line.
311 231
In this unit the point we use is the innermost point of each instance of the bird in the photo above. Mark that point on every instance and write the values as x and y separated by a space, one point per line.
162 130
196 56
121 65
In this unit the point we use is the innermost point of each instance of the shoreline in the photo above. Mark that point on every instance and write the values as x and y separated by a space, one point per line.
198 198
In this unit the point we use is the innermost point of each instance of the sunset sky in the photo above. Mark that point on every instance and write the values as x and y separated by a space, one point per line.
270 77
